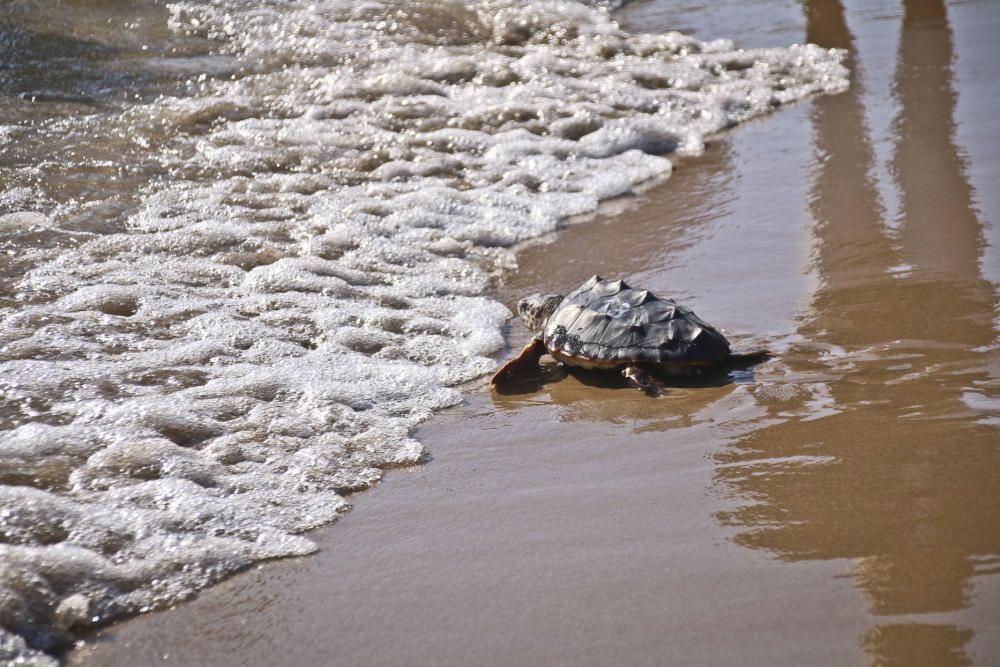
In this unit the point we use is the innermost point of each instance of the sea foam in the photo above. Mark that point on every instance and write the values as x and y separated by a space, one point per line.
186 392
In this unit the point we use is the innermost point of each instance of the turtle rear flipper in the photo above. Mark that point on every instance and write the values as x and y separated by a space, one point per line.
525 361
747 359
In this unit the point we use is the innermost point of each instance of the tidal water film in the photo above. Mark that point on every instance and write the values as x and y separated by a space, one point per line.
248 248
247 245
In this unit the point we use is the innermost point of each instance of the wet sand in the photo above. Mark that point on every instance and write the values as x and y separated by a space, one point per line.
837 505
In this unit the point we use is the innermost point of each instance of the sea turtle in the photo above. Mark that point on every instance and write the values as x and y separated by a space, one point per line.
605 324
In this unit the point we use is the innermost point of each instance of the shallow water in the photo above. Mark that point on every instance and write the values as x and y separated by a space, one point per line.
247 249
836 505
873 437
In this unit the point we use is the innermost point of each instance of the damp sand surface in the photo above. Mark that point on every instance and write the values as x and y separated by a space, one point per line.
242 259
836 505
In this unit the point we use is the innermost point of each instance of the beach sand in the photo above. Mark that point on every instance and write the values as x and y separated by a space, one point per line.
836 505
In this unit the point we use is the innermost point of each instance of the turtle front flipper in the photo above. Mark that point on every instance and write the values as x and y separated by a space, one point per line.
527 360
639 378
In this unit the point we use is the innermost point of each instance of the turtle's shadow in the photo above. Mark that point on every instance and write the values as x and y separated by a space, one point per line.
536 380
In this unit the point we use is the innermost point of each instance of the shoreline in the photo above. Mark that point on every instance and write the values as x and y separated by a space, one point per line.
447 473
575 524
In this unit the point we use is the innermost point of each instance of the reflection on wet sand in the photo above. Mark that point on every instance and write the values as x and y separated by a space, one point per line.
904 483
684 403
942 234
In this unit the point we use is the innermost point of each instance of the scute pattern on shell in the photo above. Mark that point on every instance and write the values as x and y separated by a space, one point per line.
608 320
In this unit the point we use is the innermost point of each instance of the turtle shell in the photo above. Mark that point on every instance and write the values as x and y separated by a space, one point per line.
607 321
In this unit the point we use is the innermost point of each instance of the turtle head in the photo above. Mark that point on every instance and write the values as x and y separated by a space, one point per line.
535 309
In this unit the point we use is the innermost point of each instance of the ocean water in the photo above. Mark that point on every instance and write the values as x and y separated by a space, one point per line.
245 247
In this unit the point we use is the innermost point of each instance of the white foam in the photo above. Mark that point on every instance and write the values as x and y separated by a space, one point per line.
187 395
